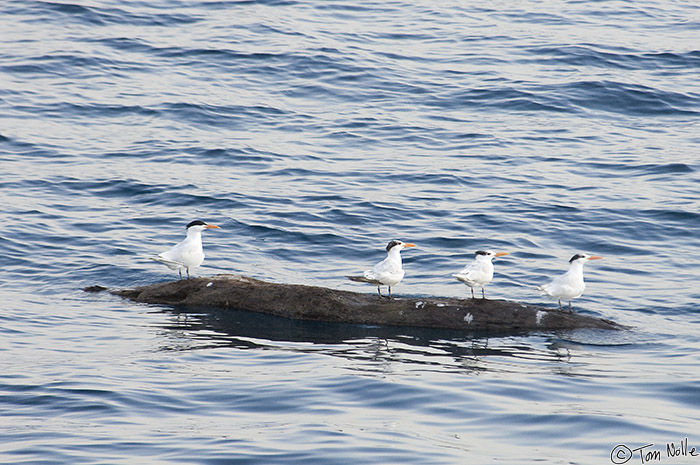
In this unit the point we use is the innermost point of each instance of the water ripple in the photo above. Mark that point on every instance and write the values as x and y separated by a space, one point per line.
313 133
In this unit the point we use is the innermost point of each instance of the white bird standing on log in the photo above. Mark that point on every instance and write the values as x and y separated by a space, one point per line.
188 253
570 285
389 272
479 272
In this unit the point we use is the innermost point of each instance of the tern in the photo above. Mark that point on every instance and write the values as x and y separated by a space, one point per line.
570 285
389 271
188 253
479 272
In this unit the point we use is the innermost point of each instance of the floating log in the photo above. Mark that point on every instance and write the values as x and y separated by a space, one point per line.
332 305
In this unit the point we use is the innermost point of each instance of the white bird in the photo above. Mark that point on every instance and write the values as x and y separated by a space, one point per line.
389 272
188 253
479 272
570 285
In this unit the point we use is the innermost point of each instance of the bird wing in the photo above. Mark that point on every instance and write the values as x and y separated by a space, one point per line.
381 267
377 270
464 277
176 251
552 287
467 270
387 272
562 287
173 257
374 275
470 274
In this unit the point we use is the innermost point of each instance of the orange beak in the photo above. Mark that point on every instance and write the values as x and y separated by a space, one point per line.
501 254
595 257
408 244
212 226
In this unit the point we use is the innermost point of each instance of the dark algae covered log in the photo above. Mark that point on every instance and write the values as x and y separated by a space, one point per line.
331 305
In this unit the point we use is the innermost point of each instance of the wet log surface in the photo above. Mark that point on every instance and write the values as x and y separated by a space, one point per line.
331 305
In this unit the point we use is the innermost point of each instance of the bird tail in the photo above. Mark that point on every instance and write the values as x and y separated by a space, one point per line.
543 289
173 265
363 279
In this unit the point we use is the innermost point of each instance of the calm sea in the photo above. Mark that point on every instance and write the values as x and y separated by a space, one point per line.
313 132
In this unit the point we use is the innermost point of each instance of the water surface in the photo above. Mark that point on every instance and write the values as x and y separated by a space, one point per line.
313 133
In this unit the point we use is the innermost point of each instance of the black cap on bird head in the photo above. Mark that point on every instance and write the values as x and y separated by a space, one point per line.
482 252
393 244
576 257
196 223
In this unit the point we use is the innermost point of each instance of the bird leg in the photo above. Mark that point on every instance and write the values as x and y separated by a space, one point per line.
188 273
560 307
472 292
379 289
179 270
570 309
389 292
483 294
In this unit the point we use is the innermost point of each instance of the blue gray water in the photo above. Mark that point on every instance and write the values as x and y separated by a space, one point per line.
313 133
